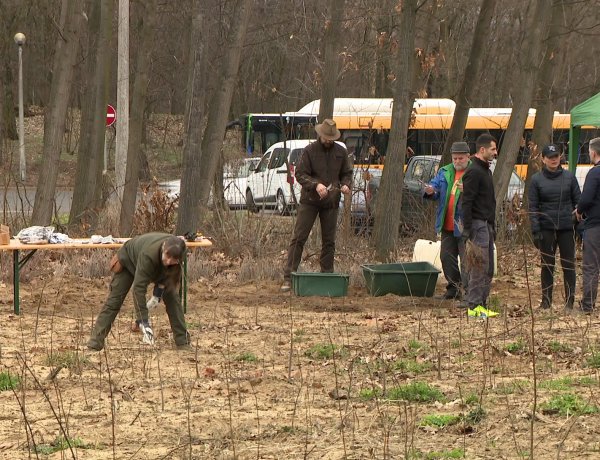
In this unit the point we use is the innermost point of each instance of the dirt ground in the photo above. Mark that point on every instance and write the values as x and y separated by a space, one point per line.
262 380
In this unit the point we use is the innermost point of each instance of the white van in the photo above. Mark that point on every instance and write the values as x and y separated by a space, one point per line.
269 186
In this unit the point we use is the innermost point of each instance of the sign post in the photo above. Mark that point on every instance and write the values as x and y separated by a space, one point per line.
111 117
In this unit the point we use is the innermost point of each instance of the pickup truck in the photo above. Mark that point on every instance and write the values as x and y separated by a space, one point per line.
420 170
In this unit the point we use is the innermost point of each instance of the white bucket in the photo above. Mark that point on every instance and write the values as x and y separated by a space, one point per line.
429 251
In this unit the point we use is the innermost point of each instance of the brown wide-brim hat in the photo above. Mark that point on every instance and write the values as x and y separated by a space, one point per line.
328 130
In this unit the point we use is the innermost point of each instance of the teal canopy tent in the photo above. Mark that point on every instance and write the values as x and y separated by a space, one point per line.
585 114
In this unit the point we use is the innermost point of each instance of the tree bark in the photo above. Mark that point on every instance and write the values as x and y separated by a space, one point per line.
331 46
56 112
122 126
467 88
194 113
544 115
387 212
212 141
88 182
136 120
523 95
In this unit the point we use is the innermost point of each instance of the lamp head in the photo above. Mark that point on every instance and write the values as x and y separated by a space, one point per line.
20 39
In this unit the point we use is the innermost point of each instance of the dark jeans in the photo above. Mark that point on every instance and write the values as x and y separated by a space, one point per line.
119 287
480 278
565 241
591 267
450 249
307 214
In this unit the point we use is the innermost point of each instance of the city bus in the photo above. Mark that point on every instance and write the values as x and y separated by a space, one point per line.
366 122
259 131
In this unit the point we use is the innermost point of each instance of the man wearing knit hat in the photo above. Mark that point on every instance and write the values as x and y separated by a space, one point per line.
446 188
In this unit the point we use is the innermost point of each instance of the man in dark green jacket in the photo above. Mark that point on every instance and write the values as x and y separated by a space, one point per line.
145 259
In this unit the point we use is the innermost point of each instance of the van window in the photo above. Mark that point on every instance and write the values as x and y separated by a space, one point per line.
295 156
262 166
278 158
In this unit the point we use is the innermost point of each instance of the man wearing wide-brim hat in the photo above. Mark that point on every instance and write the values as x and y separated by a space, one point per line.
324 172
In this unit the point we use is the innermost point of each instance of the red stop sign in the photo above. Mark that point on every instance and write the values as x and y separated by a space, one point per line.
111 115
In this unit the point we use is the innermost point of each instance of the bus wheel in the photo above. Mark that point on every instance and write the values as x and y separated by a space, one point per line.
250 204
281 205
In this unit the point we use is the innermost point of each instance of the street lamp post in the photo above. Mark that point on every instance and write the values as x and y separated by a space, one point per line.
20 41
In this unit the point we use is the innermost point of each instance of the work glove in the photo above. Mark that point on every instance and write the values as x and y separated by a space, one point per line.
537 239
153 302
157 294
147 332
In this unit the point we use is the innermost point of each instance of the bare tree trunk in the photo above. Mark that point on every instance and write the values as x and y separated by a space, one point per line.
387 213
333 31
56 112
551 67
523 95
136 121
368 76
8 124
8 120
194 113
122 126
467 87
88 182
212 141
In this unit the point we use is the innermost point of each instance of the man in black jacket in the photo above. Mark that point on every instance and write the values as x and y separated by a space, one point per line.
479 213
324 172
553 195
588 210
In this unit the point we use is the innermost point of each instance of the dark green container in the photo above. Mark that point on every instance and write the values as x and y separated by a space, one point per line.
320 284
406 279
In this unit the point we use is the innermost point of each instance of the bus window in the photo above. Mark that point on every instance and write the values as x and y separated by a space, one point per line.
270 139
431 142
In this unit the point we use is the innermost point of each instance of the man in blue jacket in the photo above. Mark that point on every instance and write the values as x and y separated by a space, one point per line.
446 188
588 211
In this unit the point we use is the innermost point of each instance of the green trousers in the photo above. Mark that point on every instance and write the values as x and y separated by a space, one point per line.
119 287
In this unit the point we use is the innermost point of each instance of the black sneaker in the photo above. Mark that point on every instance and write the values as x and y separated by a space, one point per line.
451 295
285 286
569 304
95 345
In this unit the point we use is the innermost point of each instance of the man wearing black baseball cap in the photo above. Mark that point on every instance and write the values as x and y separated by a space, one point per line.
553 195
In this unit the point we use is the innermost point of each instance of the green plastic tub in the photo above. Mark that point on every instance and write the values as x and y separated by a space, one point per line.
404 279
320 284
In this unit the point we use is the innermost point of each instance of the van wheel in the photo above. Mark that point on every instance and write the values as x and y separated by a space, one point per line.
281 205
250 204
